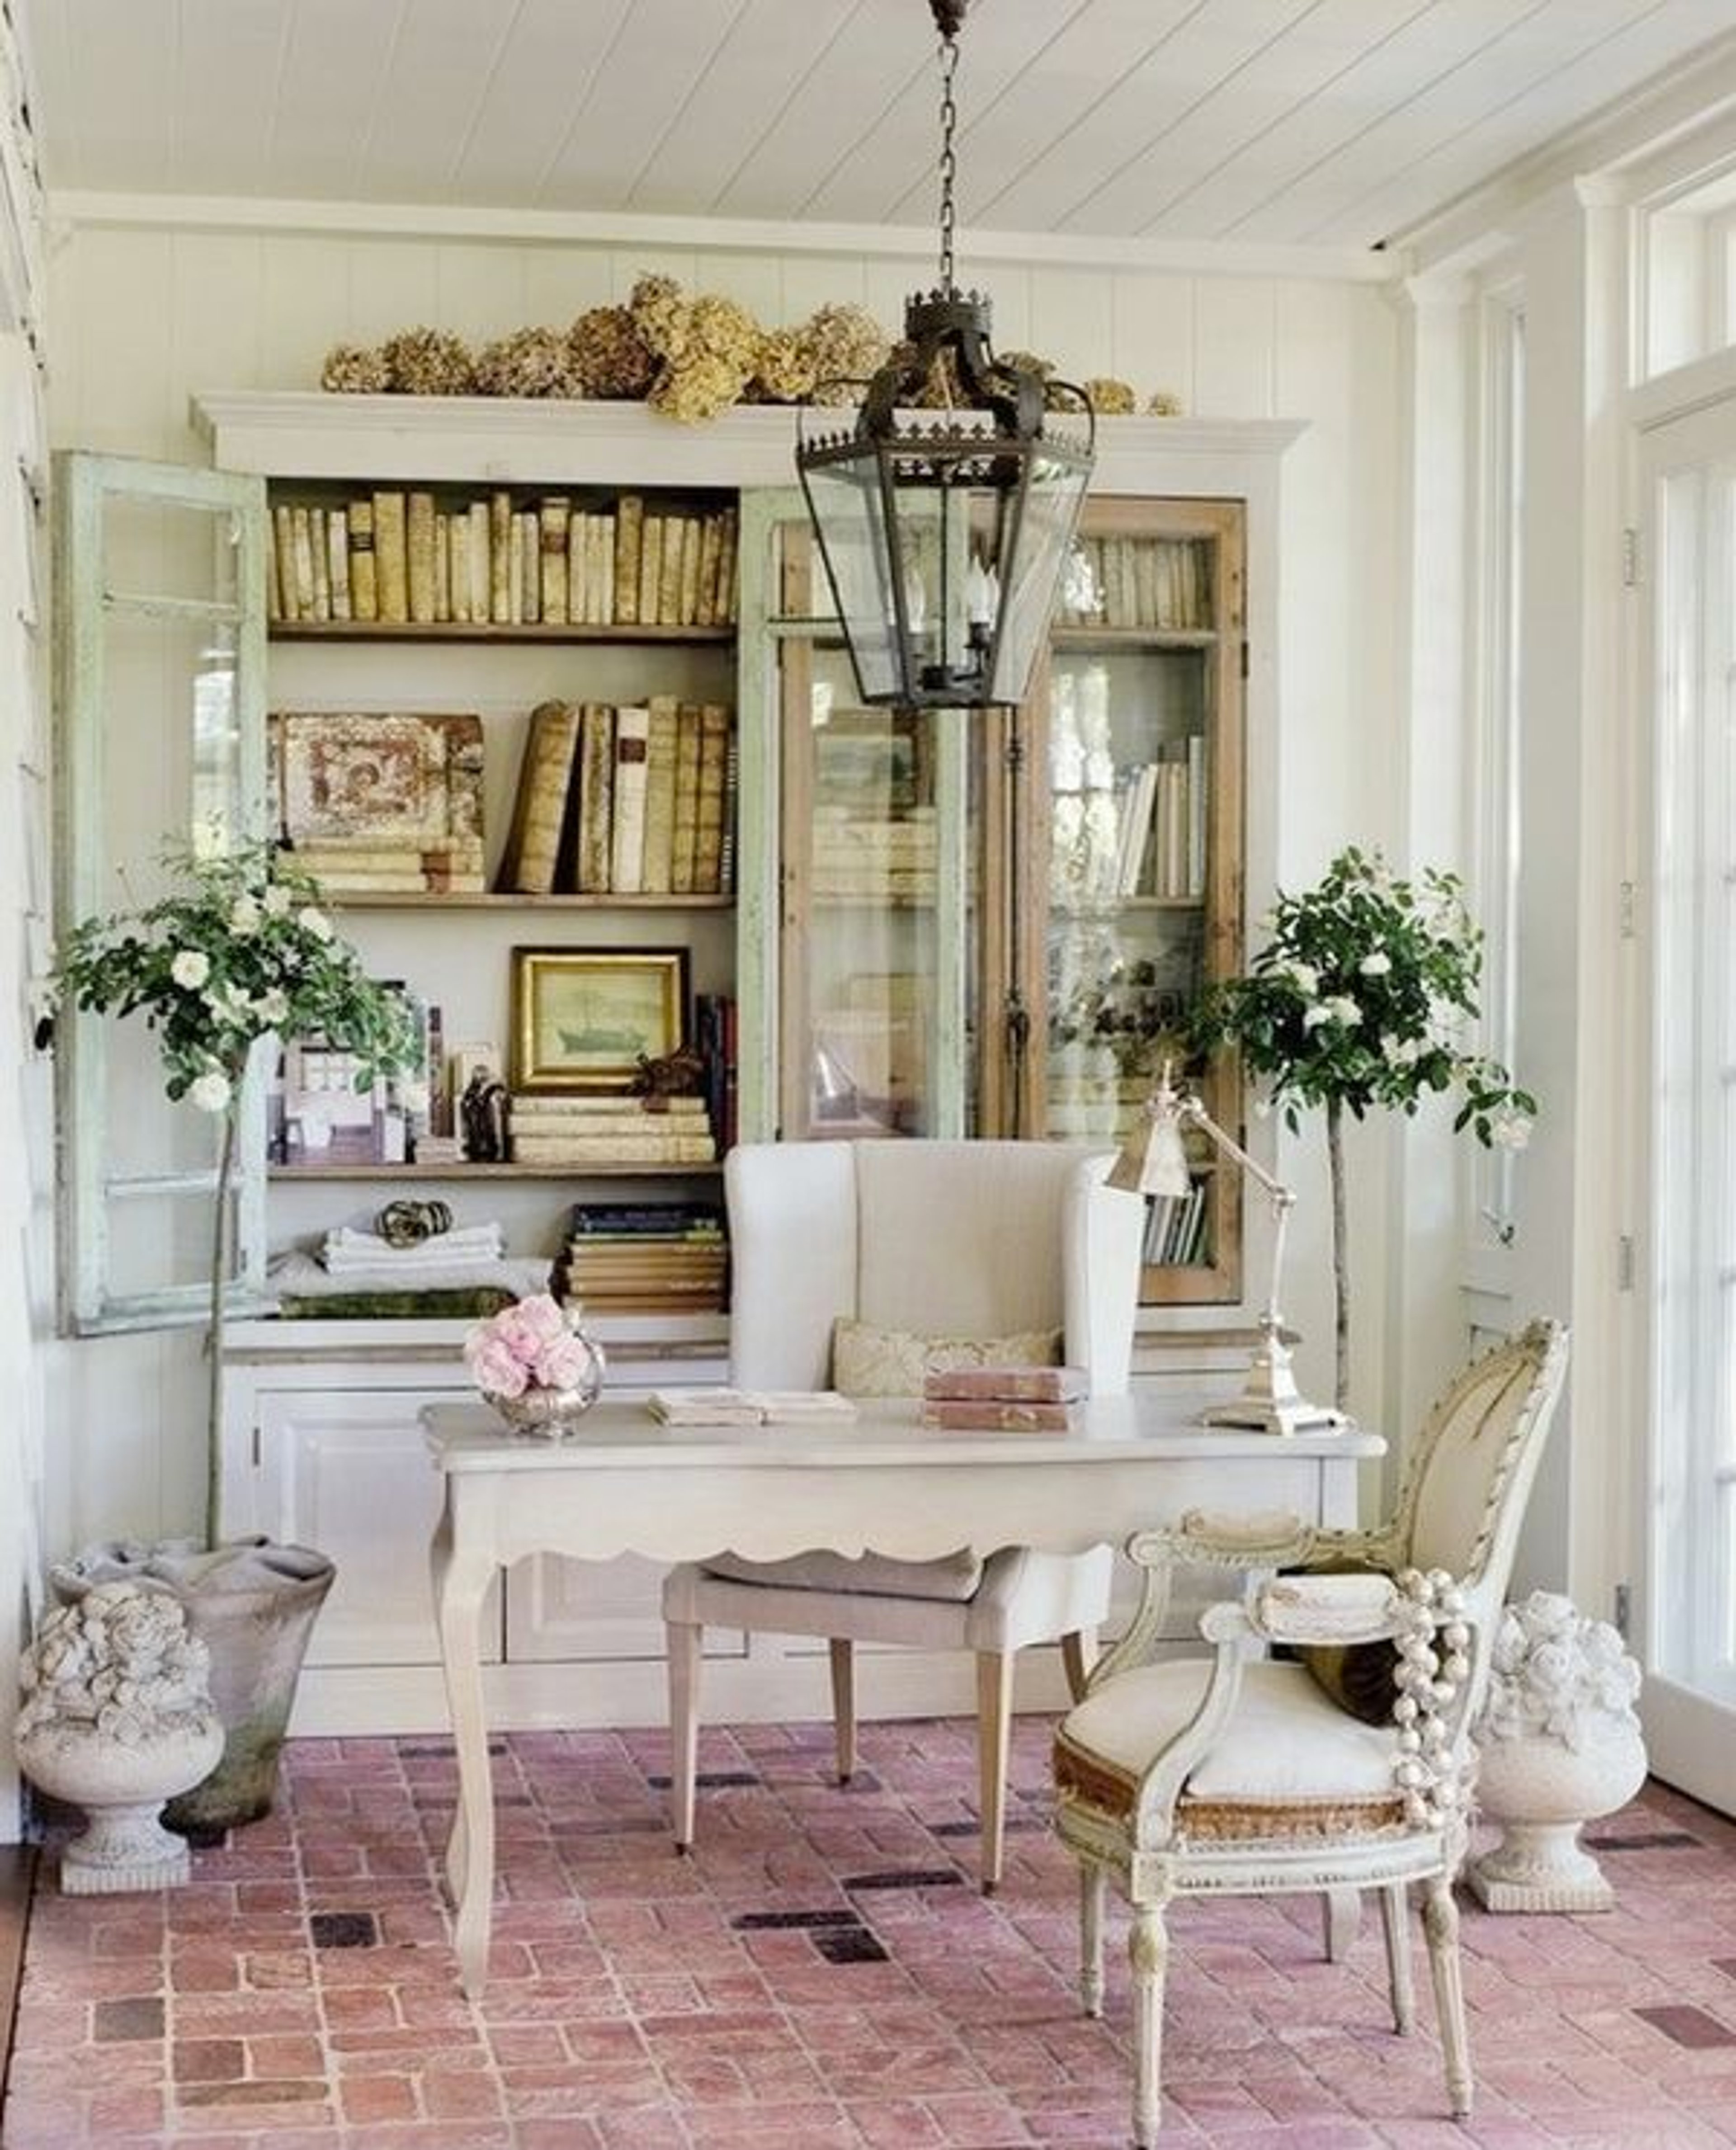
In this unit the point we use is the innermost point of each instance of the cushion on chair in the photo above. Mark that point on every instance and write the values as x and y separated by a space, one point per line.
868 1360
1360 1676
954 1578
1288 1764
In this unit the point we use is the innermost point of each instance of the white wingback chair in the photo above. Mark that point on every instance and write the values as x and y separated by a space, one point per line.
955 1239
1238 1774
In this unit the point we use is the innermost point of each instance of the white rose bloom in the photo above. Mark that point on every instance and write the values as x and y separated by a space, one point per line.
1342 1008
1375 966
1510 1130
272 1006
190 969
277 901
1314 1017
1305 977
211 1092
244 917
314 921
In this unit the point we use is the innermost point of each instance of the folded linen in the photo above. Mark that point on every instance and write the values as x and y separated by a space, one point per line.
301 1275
468 1240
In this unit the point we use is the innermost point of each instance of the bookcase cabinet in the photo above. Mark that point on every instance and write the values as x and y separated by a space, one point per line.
922 998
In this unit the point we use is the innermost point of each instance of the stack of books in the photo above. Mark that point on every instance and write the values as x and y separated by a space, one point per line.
500 559
856 855
608 1130
1003 1398
750 1407
645 1257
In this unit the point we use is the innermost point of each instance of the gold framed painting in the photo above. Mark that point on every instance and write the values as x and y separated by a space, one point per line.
582 1018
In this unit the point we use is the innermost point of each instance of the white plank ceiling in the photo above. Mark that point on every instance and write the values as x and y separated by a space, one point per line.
1314 122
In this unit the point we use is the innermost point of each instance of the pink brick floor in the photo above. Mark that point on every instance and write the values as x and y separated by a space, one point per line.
822 1973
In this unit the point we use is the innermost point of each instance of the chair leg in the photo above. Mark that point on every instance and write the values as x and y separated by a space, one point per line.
1148 1954
1340 1922
844 1704
1395 1922
1093 1889
682 1653
1440 1927
994 1744
1078 1654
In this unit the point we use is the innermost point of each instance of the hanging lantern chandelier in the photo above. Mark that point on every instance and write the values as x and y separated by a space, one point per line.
945 533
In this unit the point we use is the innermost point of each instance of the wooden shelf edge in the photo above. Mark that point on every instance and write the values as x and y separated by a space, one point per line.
456 1173
465 630
498 900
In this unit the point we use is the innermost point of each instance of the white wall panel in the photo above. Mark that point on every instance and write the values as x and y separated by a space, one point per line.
1153 334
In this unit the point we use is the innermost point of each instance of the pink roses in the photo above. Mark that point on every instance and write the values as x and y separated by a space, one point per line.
529 1346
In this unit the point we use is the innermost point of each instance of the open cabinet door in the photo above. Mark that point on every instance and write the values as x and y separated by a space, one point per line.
1688 1628
160 649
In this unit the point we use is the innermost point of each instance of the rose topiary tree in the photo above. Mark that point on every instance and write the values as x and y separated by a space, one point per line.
1361 998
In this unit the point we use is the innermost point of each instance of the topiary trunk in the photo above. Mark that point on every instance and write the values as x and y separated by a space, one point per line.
1340 1257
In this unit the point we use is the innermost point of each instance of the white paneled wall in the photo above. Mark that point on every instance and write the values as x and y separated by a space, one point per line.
146 314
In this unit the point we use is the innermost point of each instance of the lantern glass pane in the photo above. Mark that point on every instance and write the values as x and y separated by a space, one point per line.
844 500
1037 535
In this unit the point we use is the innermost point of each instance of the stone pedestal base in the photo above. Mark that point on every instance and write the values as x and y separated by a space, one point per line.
1539 1866
125 1848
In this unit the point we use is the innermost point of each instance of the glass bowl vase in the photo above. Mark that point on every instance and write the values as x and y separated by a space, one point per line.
545 1414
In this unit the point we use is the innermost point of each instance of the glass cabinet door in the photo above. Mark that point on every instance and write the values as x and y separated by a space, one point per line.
1137 810
874 901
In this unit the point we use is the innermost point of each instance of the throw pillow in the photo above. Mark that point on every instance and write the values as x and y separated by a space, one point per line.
868 1360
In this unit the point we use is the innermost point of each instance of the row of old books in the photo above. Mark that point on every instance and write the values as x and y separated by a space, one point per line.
378 801
860 856
624 799
1165 584
645 1257
1176 1227
1162 824
606 1129
504 560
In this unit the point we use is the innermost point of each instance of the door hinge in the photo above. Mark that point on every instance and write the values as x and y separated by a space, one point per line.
1630 559
1627 910
1244 658
1624 1262
259 1448
1623 1613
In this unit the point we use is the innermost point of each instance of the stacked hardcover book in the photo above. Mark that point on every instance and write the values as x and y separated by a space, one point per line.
644 1258
1003 1398
590 1130
379 802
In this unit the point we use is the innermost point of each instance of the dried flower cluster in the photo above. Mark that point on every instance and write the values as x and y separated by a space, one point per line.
428 362
352 369
1109 397
607 358
527 362
120 1659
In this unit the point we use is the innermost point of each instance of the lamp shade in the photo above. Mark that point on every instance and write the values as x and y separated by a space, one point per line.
1154 1160
944 537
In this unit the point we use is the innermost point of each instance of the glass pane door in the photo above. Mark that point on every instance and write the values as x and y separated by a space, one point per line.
876 899
162 730
1688 1627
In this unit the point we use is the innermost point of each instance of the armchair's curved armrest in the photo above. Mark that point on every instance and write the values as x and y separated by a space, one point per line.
1275 1540
1325 1609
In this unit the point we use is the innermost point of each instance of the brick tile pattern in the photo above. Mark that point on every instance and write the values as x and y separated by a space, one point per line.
820 1975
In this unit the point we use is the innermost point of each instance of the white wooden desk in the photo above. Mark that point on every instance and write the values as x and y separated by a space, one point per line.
627 1484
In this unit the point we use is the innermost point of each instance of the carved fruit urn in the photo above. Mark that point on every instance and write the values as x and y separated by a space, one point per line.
1559 1745
118 1717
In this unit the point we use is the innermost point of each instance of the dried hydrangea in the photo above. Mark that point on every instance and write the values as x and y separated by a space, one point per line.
1109 397
428 362
943 389
783 370
846 344
709 347
1025 361
607 357
527 362
354 369
1165 404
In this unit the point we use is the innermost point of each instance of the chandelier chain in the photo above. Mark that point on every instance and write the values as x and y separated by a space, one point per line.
949 164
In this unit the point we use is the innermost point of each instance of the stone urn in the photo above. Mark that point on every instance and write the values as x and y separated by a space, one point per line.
1559 1745
118 1717
253 1603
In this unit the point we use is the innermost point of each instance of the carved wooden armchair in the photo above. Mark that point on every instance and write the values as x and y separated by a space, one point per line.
1242 1775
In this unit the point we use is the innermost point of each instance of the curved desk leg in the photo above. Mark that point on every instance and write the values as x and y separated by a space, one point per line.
460 1583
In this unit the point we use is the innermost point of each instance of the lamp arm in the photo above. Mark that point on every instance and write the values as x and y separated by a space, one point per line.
1283 1199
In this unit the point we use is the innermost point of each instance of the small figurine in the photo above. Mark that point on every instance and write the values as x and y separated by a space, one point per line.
482 1113
677 1074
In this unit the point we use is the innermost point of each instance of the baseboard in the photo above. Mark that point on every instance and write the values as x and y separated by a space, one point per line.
17 1868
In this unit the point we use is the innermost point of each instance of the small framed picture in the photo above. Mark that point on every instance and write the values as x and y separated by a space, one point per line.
583 1019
